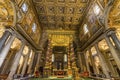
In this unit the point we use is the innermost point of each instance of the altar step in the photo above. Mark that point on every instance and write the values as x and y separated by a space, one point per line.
61 79
50 79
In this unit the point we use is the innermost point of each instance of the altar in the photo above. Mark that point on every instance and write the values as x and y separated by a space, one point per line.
60 72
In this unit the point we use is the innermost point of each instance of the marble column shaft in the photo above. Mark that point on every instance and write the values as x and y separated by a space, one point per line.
4 38
69 67
80 61
16 62
115 40
6 64
83 62
38 60
103 62
26 61
114 53
19 68
92 61
6 49
31 63
87 65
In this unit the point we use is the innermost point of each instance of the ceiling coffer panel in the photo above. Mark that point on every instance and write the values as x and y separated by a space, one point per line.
56 14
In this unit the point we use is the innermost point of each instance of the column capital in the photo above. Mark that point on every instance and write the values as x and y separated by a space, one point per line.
110 31
11 31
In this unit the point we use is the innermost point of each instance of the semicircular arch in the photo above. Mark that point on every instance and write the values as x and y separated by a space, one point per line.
7 13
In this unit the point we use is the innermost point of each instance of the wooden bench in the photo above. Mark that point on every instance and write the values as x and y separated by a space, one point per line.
3 76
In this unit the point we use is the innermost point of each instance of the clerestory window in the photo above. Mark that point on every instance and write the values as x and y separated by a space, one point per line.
96 9
34 26
24 7
85 28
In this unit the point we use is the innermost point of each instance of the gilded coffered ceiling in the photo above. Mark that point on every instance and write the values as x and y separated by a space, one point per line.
57 14
60 37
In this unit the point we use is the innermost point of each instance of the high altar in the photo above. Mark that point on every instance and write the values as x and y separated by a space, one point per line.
60 57
60 65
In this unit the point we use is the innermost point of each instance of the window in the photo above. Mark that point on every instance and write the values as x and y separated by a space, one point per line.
96 9
65 57
85 28
52 57
34 26
24 7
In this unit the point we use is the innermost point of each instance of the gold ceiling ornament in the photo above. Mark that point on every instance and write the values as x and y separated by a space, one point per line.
25 51
60 40
60 37
7 13
16 44
103 45
93 50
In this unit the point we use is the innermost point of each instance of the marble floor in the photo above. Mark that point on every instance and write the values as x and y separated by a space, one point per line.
61 79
